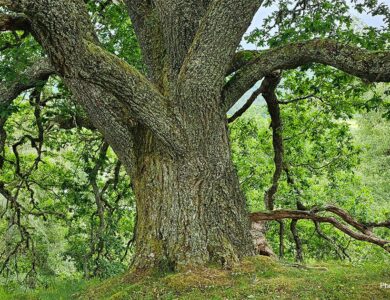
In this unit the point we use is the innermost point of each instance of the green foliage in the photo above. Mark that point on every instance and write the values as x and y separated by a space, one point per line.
50 224
54 290
58 204
54 180
328 154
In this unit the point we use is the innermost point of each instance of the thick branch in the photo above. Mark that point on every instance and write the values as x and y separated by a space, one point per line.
148 29
368 65
246 106
311 215
31 77
14 22
143 100
165 30
240 59
114 85
269 84
180 21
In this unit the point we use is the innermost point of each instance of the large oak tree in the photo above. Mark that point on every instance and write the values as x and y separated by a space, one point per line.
169 126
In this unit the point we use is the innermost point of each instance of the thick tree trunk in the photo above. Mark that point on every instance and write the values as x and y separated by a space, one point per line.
190 208
170 131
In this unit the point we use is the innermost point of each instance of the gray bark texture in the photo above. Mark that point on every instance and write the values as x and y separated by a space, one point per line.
169 127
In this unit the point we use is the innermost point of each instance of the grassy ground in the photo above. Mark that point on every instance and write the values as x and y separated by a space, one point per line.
59 290
255 278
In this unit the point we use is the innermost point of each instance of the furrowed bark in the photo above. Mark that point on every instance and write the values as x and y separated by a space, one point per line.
368 65
148 29
240 59
180 21
215 43
165 30
67 36
61 31
170 132
190 209
137 94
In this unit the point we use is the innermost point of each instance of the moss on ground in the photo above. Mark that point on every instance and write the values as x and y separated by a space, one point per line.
255 278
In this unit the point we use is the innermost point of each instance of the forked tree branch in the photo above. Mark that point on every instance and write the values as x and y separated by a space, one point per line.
84 65
362 235
179 21
240 59
145 103
372 66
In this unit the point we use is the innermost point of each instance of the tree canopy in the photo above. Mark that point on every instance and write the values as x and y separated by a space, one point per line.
94 94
